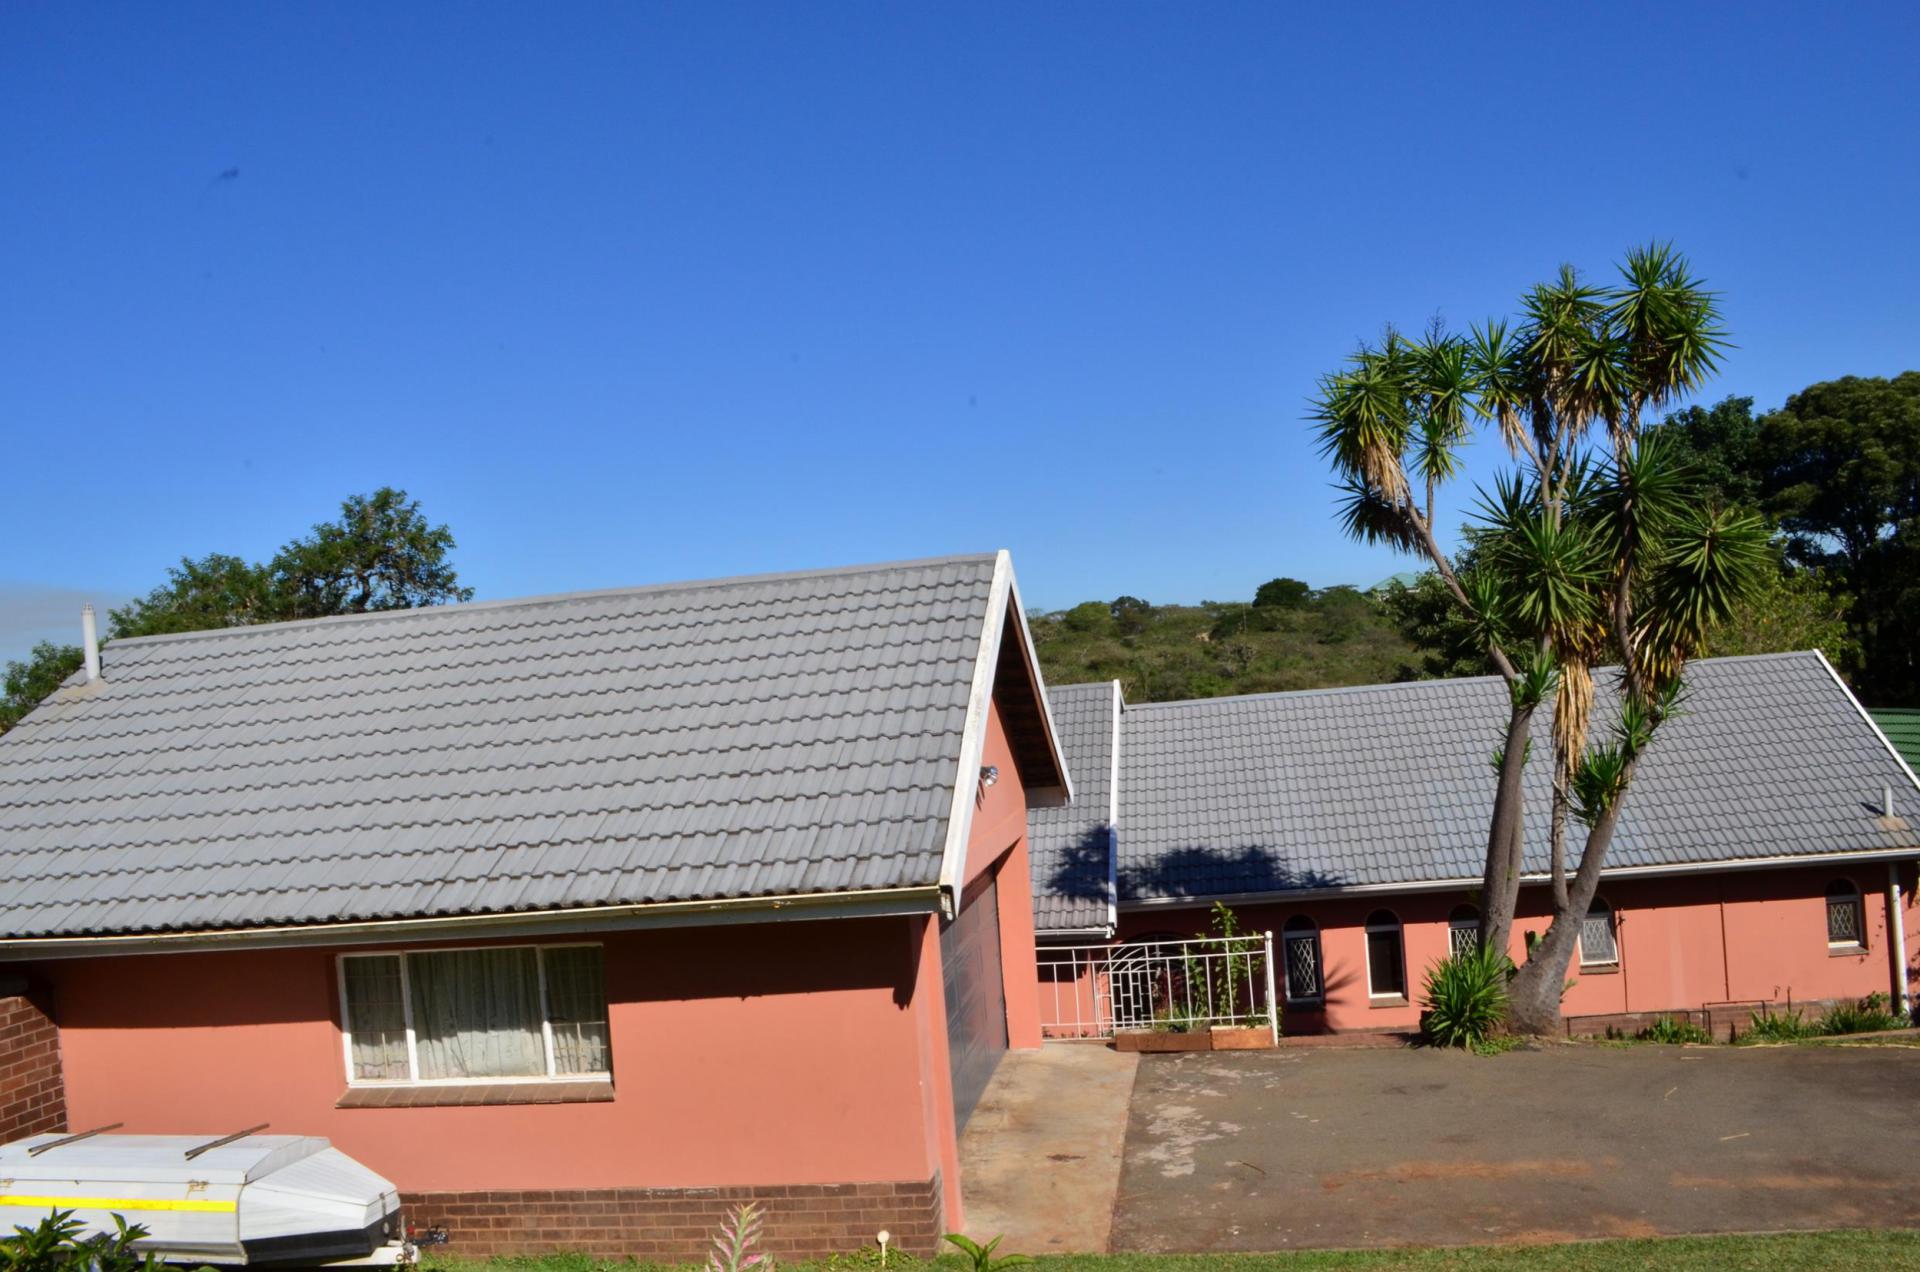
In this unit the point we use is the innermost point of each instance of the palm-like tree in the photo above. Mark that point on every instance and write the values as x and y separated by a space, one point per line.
1591 548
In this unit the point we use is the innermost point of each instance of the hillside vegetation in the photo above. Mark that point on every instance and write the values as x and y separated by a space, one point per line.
1292 638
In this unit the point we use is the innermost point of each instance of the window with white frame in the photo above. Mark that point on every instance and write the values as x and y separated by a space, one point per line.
1846 917
1599 944
1386 962
1300 946
493 1013
1463 930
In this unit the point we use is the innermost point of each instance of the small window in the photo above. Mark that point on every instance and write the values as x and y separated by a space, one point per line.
1300 941
1386 967
1463 930
1599 947
498 1013
1846 918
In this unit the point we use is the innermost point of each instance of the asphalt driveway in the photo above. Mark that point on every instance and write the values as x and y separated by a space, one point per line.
1315 1148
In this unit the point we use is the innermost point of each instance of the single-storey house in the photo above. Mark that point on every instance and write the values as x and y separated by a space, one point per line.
580 918
1766 856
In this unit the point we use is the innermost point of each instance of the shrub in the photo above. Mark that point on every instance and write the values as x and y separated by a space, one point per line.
1768 1026
1869 1015
55 1244
1465 999
1670 1030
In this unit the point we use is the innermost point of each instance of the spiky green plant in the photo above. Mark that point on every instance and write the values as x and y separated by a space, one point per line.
1674 1031
1868 1015
1464 1001
1767 1025
982 1255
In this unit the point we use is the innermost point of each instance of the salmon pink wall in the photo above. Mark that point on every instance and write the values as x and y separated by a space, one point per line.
998 842
777 1053
1685 942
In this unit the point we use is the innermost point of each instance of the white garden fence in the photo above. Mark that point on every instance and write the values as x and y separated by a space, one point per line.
1094 991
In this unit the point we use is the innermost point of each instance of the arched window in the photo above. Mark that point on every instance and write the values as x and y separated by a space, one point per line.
1300 945
1386 962
1846 920
1463 930
1599 947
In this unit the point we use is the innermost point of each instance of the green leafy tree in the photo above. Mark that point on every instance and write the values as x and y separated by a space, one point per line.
215 591
1719 445
1130 615
28 682
382 554
1595 539
1283 593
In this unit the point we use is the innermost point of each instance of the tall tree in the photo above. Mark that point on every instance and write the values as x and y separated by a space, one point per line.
1594 542
380 554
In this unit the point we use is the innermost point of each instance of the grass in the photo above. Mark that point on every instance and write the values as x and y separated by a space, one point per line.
1782 1252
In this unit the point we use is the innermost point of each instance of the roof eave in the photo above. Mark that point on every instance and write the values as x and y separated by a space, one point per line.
872 903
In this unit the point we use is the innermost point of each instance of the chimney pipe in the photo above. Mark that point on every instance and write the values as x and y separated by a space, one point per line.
92 639
1886 800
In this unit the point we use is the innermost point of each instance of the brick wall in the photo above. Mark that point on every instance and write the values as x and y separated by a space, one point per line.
676 1225
32 1096
1724 1021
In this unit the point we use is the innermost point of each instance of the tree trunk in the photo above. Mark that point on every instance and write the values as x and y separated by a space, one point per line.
1533 996
1500 883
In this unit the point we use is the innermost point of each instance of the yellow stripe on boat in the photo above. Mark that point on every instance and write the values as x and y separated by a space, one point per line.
116 1203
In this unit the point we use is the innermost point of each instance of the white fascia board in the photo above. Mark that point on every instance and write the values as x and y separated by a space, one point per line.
1203 900
1032 657
605 918
1113 817
973 739
1871 723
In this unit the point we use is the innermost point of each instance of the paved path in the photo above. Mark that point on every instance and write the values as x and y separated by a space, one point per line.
1299 1148
1040 1158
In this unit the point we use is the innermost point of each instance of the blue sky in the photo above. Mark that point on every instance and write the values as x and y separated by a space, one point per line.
642 292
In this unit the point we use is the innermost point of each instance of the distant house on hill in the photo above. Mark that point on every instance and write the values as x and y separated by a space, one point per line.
1406 578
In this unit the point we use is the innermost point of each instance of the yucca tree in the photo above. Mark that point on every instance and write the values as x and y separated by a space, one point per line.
1592 547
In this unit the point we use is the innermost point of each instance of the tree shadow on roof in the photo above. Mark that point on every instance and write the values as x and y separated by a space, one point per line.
1085 869
1205 871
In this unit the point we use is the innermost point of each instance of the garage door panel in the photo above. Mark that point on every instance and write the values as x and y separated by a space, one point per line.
976 998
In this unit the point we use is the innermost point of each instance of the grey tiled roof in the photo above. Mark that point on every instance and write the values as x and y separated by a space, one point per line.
1071 845
748 737
1393 783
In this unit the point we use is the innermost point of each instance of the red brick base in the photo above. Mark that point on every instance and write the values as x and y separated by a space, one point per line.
32 1096
1725 1021
675 1225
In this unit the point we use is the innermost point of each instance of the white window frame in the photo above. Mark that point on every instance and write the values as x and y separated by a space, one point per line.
1457 925
1399 931
1613 926
1859 901
1319 963
406 1013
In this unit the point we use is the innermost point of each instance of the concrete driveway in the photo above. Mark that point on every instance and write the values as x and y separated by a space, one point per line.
1302 1148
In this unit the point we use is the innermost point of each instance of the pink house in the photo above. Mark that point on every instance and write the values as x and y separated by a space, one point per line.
1766 858
580 918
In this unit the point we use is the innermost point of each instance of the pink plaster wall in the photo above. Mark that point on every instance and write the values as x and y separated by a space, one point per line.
998 842
1685 942
763 1054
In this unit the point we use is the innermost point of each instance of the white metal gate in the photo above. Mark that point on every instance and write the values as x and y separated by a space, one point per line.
1094 991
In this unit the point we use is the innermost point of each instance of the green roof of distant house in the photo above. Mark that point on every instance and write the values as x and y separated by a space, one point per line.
1902 727
1406 578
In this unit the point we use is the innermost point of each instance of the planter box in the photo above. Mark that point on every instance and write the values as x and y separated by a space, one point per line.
1154 1040
1242 1038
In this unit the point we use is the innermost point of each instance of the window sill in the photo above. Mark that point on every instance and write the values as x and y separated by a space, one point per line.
432 1095
1386 1000
1845 951
1599 969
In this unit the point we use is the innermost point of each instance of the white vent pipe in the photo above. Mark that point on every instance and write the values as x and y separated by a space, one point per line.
92 640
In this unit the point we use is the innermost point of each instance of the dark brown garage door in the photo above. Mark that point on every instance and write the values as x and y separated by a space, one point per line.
976 1002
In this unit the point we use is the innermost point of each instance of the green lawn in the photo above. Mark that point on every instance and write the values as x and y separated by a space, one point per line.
1814 1252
